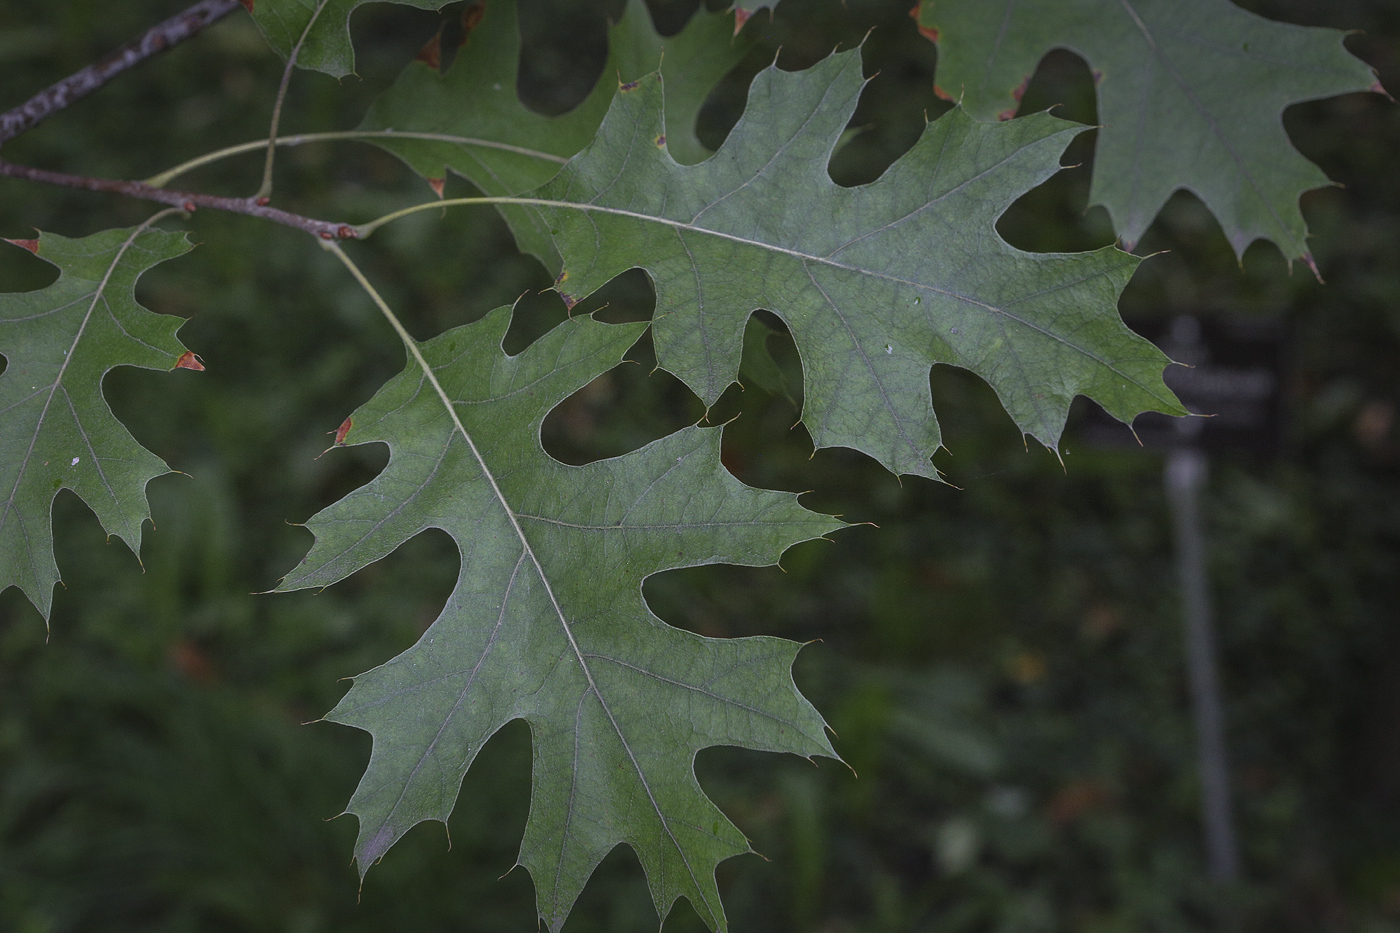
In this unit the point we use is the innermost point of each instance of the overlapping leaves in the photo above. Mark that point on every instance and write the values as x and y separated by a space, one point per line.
547 622
56 429
318 31
1191 96
877 283
503 147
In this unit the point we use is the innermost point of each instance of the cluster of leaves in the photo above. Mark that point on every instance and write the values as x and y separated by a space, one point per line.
876 284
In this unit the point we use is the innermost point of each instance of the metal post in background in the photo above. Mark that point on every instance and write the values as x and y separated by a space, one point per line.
1185 474
1231 373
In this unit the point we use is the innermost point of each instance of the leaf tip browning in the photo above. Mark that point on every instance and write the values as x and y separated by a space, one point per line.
471 18
928 32
247 5
343 430
431 52
439 185
31 245
188 360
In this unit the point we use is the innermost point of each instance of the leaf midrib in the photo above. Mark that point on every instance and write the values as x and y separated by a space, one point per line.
53 387
558 610
1204 112
812 258
529 551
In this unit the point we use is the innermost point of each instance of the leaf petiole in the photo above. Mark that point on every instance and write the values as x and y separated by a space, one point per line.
364 230
258 145
265 189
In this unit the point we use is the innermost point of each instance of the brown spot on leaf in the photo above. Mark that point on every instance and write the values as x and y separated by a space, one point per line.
1098 76
431 52
661 141
343 430
563 276
1007 114
629 86
31 245
189 361
1019 90
471 18
438 185
928 32
741 16
943 95
569 300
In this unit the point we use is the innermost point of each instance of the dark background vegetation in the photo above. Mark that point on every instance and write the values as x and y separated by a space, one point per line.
1002 662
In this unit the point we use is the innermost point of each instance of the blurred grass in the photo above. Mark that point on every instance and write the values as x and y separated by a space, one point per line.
1000 661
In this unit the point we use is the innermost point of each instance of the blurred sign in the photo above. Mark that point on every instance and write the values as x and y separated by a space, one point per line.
1232 374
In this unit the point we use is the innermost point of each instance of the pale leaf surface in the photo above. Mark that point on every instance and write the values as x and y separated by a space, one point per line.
56 429
1191 96
877 283
547 622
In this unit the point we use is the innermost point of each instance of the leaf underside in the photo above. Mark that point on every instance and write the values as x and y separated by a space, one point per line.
56 430
319 30
1191 95
547 622
877 283
514 148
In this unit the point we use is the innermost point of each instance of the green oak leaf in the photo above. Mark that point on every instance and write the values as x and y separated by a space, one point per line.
56 429
317 30
547 622
1191 96
876 283
493 140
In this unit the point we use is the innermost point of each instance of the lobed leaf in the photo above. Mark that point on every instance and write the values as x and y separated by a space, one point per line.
547 622
56 429
318 30
494 141
877 283
1191 96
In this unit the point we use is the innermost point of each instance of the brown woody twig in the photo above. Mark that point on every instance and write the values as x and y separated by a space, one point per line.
185 200
79 85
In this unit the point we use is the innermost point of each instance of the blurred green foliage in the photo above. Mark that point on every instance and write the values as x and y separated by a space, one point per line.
1001 661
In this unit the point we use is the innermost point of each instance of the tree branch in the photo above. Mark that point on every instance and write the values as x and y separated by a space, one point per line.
79 85
185 200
